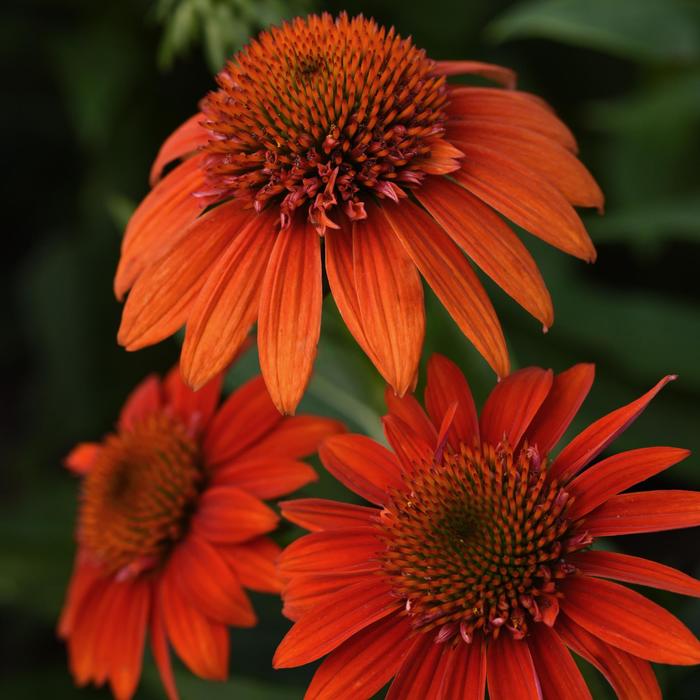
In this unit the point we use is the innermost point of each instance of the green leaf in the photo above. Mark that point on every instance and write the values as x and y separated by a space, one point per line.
645 30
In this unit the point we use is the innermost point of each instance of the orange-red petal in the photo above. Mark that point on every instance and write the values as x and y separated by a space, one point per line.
160 650
144 400
316 514
186 139
465 671
510 671
420 675
499 74
411 412
255 563
409 447
194 408
81 458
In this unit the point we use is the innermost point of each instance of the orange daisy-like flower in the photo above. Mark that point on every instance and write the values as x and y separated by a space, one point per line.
338 128
172 527
476 567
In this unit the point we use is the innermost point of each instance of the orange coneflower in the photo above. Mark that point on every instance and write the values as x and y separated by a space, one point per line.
476 568
338 128
172 527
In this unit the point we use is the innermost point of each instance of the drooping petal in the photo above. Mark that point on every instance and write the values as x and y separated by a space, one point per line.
629 621
418 676
160 650
144 400
631 677
289 320
264 477
490 243
465 672
255 563
227 305
445 386
194 408
499 74
648 511
81 458
525 198
557 672
186 139
510 671
362 465
362 665
207 582
164 294
617 473
410 448
316 514
512 405
452 279
568 392
623 567
597 436
326 627
228 515
84 576
411 412
390 300
246 416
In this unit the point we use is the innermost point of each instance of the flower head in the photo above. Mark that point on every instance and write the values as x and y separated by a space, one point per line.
338 130
172 527
478 565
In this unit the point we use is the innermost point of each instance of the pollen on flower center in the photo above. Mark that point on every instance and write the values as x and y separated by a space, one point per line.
321 113
138 496
478 542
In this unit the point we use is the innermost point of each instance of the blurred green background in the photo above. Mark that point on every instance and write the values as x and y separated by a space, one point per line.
90 91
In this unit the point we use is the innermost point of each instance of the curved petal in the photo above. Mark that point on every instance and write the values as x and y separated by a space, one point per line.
164 294
326 627
317 514
362 465
648 511
465 672
623 567
390 300
490 243
411 412
186 139
568 392
410 448
419 675
144 400
525 198
227 305
194 408
629 621
84 577
81 458
631 677
597 436
450 276
499 74
617 473
512 405
255 563
289 320
510 671
557 671
160 650
445 386
362 665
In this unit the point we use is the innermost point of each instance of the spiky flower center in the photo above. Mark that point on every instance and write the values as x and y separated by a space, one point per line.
478 543
320 113
138 496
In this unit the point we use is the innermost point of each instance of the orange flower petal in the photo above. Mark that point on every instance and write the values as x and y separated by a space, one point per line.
81 457
420 674
160 650
363 664
512 404
597 436
362 465
255 563
208 583
411 412
617 473
227 306
631 677
445 386
623 567
144 400
490 243
186 139
649 511
452 279
390 299
163 296
194 408
317 514
510 671
568 392
465 673
556 670
499 74
342 618
229 515
525 198
289 320
409 447
82 580
629 621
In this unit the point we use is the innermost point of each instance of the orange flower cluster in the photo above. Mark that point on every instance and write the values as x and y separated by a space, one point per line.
336 151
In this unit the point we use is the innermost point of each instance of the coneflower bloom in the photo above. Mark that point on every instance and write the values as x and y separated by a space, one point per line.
477 565
340 130
172 528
